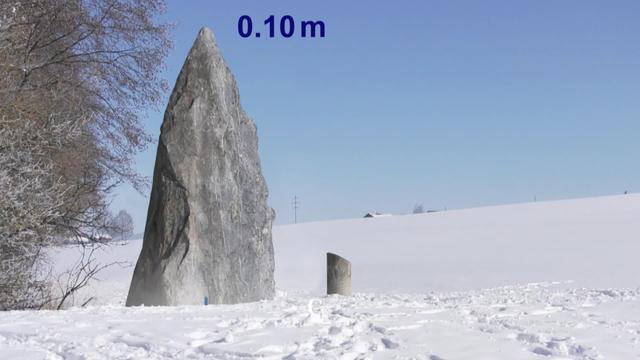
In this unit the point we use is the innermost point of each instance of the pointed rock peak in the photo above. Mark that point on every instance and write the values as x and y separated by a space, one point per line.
204 48
206 35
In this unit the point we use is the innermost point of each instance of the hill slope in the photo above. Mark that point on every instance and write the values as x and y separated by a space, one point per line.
593 241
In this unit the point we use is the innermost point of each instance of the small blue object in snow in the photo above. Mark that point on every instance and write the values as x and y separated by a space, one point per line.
206 300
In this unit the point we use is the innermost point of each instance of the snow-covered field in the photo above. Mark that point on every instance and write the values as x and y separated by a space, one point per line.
519 322
549 280
594 242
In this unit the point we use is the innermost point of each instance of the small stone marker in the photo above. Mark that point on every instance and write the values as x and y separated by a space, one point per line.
338 275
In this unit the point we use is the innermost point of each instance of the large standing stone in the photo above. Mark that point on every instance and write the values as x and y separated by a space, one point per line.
208 230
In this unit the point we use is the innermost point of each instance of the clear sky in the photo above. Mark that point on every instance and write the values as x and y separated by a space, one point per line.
446 103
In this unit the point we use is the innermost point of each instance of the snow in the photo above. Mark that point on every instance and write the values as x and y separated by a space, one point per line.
548 280
515 322
593 242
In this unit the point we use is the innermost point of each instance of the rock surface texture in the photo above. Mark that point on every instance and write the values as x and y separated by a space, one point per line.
208 230
338 275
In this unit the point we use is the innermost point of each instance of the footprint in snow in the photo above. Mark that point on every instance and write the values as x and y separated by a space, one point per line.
134 341
389 344
203 337
556 346
198 334
312 318
431 311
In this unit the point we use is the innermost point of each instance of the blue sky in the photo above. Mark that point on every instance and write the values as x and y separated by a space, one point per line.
446 103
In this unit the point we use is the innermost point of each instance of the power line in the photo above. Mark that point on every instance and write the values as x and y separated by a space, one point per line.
296 205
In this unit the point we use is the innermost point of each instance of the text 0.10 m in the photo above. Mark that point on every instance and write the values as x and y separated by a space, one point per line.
286 27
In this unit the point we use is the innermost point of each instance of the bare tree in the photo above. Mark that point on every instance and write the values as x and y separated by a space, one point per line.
122 224
75 76
418 209
77 277
96 63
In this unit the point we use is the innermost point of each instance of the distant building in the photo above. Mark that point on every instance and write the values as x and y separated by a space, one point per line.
375 214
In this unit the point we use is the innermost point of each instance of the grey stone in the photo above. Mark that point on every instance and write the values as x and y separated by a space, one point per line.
208 230
338 275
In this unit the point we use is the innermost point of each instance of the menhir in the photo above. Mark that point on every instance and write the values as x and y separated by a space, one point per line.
208 230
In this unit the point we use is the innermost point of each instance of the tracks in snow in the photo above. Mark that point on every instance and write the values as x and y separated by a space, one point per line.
545 321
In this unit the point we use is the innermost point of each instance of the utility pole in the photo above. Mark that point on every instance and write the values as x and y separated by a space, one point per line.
296 205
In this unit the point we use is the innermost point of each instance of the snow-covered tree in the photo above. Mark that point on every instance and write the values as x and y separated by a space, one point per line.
122 224
30 203
75 77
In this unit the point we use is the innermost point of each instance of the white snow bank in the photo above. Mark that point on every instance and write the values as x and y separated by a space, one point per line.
591 241
514 323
